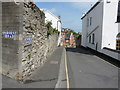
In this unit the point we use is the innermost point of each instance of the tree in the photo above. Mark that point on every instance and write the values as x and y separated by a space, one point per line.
49 25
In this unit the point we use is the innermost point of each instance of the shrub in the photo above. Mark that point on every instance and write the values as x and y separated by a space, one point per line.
52 31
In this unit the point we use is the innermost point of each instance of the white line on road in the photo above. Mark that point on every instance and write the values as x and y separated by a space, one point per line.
66 66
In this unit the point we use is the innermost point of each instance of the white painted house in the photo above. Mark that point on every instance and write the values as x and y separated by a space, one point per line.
56 21
101 29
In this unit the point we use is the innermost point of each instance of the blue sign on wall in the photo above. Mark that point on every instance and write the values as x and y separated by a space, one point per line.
9 34
28 40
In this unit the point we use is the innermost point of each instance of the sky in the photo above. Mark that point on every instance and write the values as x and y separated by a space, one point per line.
70 12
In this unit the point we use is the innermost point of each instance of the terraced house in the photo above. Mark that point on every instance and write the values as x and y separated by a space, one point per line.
68 38
101 28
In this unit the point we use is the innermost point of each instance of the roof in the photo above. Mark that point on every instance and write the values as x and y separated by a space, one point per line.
91 8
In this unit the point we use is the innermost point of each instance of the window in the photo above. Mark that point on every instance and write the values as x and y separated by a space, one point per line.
90 21
89 39
118 42
93 38
87 22
118 45
118 16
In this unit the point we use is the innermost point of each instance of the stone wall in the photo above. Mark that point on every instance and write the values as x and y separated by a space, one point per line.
25 44
10 25
0 37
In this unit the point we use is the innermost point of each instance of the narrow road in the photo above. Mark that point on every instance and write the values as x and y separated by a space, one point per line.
89 71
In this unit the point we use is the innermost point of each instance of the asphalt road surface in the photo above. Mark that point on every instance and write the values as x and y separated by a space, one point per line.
86 70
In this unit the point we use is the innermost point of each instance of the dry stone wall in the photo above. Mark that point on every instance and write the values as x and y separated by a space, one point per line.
25 43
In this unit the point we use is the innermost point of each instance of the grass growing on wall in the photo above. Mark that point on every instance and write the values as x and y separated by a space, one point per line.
52 31
29 55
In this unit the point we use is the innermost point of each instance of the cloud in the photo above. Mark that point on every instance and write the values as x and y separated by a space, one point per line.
81 5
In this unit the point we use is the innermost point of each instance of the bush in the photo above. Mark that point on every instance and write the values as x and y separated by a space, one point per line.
52 31
78 36
49 25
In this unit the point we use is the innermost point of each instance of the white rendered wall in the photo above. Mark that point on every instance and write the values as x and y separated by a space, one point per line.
95 27
84 32
104 16
118 27
110 27
52 18
59 29
111 54
56 22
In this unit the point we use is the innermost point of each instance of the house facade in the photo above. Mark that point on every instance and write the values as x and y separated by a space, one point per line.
56 21
68 38
100 28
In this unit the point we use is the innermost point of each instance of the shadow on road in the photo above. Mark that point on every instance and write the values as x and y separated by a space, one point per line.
40 80
93 52
79 50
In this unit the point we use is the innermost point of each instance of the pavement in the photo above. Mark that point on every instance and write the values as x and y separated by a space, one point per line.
89 71
62 79
44 77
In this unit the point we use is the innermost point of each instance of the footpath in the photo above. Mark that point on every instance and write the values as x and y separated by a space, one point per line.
43 77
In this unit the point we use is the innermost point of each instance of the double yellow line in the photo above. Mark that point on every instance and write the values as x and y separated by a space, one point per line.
66 67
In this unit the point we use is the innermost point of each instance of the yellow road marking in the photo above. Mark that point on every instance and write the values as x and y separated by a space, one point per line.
66 66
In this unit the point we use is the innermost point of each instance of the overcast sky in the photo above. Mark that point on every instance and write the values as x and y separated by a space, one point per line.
70 12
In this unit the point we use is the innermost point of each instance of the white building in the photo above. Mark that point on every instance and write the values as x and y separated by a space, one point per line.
100 28
56 21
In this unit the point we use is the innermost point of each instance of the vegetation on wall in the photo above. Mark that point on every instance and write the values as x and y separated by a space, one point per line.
29 55
49 25
78 36
50 29
71 31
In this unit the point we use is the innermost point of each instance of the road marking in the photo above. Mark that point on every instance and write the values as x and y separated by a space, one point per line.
109 63
66 66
